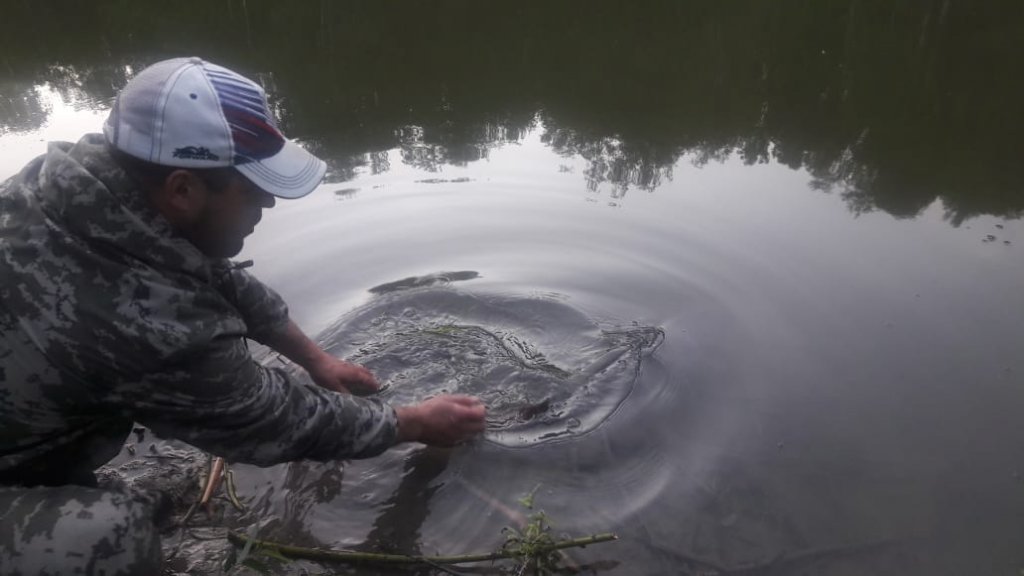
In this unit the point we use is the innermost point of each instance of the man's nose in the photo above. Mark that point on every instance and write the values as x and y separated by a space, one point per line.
267 200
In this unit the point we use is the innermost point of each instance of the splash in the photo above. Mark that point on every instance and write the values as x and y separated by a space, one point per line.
546 371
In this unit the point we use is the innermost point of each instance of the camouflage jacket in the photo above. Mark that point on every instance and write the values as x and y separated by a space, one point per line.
108 318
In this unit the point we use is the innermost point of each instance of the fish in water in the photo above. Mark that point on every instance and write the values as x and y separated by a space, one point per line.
530 411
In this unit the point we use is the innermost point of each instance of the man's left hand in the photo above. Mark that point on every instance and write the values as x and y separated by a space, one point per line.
345 377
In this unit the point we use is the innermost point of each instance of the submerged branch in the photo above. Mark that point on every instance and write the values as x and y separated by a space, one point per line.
300 553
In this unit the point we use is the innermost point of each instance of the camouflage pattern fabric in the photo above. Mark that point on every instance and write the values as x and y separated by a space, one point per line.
76 530
108 318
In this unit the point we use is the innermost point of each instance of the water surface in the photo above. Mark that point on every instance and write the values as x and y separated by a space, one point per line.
814 206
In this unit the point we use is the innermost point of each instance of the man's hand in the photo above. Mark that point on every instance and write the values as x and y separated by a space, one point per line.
442 420
340 376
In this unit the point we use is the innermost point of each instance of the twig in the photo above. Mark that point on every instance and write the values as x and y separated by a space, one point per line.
209 484
441 568
203 482
216 470
300 553
229 485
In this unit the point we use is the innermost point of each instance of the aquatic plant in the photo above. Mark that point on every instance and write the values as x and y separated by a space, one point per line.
531 545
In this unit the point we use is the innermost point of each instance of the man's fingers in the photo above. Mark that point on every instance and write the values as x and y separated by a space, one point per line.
361 380
476 426
471 412
367 385
472 418
465 400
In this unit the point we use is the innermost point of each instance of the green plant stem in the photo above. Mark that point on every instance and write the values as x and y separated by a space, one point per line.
300 553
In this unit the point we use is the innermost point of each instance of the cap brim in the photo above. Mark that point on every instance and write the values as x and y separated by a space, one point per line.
291 173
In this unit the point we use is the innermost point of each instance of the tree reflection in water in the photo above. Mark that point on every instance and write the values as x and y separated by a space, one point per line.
890 105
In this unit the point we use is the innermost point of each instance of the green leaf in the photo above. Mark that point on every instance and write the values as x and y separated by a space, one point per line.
527 499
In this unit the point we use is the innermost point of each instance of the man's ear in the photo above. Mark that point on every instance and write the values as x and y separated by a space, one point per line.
181 198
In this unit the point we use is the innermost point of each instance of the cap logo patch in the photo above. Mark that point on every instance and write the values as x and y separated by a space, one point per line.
195 153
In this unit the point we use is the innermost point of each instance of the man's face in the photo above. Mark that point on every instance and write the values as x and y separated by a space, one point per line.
227 217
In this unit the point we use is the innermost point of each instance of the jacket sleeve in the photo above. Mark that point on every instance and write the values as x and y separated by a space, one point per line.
224 402
263 309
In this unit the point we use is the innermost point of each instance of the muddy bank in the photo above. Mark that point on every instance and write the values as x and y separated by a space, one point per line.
174 473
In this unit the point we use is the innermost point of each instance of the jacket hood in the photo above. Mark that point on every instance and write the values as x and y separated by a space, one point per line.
82 188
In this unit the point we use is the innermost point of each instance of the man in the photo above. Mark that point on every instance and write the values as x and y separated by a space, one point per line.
117 305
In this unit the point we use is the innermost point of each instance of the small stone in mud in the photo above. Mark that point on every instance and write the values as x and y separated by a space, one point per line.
989 238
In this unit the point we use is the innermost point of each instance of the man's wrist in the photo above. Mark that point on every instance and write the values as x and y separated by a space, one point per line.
410 427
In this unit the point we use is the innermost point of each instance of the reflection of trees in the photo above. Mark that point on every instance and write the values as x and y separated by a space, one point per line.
614 161
453 143
889 104
21 107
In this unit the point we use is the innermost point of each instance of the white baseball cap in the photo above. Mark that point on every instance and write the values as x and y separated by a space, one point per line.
190 113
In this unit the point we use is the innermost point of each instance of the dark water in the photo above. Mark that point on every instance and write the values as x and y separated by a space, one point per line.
742 282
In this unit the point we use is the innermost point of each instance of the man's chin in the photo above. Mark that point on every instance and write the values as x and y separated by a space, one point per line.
223 250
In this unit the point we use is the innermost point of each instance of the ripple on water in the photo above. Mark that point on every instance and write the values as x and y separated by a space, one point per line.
546 371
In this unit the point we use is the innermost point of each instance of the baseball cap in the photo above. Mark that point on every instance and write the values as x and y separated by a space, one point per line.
194 114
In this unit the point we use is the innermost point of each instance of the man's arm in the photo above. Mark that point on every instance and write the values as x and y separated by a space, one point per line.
223 401
326 370
263 309
441 421
266 317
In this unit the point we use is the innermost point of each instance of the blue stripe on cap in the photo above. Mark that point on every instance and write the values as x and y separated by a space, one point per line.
244 105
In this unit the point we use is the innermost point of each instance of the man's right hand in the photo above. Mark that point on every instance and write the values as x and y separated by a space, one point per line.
441 421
